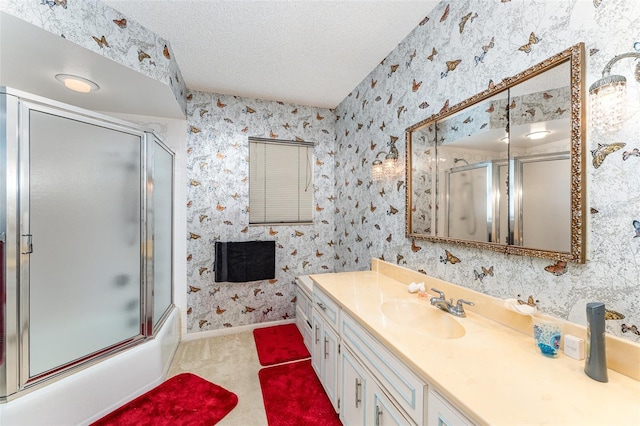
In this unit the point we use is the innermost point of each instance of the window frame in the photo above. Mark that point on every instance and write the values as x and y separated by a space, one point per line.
310 184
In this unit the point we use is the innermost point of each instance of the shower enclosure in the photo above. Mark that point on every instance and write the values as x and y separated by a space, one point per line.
85 239
473 204
476 206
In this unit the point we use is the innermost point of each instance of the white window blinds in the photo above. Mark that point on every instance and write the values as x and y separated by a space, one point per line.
280 181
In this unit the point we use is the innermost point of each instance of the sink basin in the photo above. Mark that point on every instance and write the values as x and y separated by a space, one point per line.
422 319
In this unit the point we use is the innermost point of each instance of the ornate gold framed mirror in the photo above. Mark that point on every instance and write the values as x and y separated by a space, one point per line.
503 170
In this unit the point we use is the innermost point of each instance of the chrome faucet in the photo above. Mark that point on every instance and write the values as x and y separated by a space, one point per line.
440 302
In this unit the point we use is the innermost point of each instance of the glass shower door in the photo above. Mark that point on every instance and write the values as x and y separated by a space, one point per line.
81 238
160 217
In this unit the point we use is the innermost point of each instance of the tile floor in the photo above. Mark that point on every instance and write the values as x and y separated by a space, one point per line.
231 362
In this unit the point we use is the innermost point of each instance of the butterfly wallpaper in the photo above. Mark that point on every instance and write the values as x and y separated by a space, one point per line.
100 28
459 49
218 199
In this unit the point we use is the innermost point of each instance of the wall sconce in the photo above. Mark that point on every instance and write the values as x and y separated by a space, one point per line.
608 96
379 169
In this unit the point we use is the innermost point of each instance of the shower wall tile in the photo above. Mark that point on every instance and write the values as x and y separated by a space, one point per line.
218 201
454 53
105 31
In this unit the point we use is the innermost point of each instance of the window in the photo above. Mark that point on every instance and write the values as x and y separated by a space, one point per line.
280 181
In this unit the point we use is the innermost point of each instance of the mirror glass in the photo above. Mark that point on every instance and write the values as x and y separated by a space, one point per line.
471 153
503 169
423 158
540 142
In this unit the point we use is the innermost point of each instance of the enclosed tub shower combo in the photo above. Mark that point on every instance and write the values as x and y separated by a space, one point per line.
86 240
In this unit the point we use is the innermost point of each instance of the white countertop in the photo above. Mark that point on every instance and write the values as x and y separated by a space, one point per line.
494 374
305 283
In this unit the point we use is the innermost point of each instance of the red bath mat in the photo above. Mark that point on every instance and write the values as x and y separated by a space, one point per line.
293 396
185 399
280 343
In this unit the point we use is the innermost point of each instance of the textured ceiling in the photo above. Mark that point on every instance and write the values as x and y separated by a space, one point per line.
304 52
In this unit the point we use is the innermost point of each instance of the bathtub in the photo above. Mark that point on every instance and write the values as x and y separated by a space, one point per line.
89 394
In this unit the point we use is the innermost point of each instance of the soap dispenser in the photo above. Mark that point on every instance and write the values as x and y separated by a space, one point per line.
595 365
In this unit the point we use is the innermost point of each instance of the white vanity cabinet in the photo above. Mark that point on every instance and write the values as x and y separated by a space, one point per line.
303 309
366 382
392 394
363 402
441 413
325 343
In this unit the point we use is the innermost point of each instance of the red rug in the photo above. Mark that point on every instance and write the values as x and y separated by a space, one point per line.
280 343
294 396
185 399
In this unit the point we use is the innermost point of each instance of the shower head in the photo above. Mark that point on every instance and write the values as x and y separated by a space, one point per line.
456 160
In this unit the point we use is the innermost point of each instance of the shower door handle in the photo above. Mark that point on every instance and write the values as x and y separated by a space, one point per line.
29 244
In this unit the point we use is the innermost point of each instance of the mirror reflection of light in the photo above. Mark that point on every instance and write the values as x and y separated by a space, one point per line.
537 135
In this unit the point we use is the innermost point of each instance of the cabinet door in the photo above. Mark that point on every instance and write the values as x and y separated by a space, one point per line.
383 412
441 413
304 328
330 364
317 345
353 388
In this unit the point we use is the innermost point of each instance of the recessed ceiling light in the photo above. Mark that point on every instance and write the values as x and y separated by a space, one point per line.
537 135
77 84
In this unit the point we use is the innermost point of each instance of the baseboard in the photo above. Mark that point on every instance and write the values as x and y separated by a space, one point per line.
233 330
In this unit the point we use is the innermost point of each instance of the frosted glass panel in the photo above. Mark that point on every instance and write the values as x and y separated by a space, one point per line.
162 243
546 221
503 205
467 207
85 220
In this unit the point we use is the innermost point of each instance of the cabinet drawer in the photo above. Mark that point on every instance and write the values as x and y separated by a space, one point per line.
405 387
326 307
303 303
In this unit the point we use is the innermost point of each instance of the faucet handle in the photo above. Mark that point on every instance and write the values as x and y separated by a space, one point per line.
440 293
461 301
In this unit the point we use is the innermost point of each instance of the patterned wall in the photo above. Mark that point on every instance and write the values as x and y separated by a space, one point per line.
107 32
218 199
453 54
